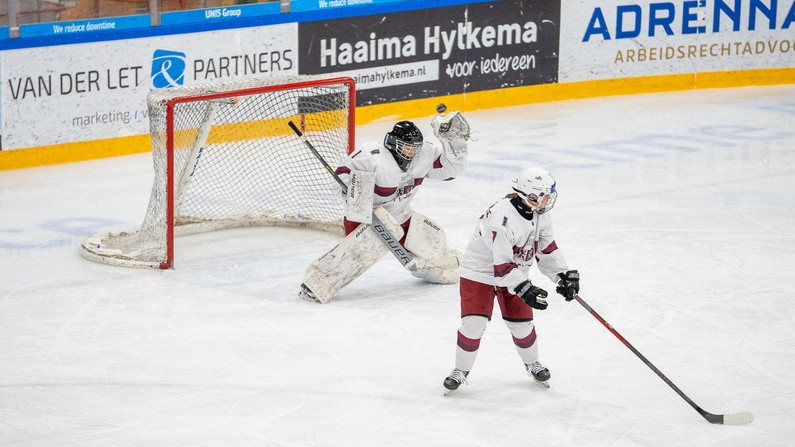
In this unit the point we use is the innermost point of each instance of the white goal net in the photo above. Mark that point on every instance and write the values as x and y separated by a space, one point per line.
225 156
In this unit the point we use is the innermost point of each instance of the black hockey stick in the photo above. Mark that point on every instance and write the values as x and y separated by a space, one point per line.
386 236
726 419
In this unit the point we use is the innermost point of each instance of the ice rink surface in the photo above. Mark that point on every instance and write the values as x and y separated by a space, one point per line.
678 209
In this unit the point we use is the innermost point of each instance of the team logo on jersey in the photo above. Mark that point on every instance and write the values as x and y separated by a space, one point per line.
168 69
404 192
523 254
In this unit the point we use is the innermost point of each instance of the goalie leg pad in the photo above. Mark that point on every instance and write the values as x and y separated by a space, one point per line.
356 253
425 238
435 261
442 270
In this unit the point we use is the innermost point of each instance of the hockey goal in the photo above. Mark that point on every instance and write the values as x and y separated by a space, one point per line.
225 156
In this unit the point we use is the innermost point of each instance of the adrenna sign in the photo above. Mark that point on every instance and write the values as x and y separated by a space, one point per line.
689 17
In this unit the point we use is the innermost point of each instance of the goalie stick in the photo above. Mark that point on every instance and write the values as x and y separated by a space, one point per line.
725 419
394 245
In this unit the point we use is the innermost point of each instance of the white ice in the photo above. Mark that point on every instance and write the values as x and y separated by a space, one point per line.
678 209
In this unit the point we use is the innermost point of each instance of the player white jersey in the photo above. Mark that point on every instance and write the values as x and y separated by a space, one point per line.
505 243
394 188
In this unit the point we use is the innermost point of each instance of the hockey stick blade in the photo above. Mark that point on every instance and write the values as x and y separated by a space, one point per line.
724 419
728 419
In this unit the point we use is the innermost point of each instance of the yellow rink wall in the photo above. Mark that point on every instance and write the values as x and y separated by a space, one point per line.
579 90
72 152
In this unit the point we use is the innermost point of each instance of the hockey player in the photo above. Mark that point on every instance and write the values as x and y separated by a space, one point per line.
511 233
382 179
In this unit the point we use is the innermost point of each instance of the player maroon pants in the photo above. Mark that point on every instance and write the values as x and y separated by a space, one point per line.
478 299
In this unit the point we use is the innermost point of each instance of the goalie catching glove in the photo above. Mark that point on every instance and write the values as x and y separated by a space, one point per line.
452 130
569 284
532 295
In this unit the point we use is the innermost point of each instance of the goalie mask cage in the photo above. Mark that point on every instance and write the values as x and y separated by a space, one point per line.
224 157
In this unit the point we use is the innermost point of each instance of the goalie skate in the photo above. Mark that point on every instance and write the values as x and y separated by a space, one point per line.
306 294
356 253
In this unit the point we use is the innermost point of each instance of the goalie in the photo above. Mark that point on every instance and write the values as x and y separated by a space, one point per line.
382 179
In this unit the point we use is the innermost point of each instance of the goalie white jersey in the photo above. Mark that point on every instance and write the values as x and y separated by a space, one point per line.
505 243
394 188
381 179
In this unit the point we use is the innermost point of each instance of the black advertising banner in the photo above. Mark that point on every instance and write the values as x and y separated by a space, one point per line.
436 52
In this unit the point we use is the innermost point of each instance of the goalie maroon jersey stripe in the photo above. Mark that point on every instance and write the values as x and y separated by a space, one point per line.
384 191
394 188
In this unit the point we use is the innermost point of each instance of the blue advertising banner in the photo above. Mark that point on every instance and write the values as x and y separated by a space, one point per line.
314 5
219 14
209 19
83 26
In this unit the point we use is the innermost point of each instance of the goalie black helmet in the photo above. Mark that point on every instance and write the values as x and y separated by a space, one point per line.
404 141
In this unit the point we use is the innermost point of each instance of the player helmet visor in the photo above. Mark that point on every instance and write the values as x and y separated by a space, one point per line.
537 188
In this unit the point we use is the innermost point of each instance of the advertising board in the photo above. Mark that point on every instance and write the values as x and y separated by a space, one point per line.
76 87
98 90
436 52
602 39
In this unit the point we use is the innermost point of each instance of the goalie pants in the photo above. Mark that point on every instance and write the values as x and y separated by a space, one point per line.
477 305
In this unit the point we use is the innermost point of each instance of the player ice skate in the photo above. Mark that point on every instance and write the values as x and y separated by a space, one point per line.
508 237
382 179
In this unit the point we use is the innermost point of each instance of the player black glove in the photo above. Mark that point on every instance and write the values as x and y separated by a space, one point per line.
569 284
532 295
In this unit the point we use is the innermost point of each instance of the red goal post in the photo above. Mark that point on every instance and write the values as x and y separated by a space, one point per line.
225 157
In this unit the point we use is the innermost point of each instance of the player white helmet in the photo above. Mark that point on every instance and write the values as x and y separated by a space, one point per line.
536 187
